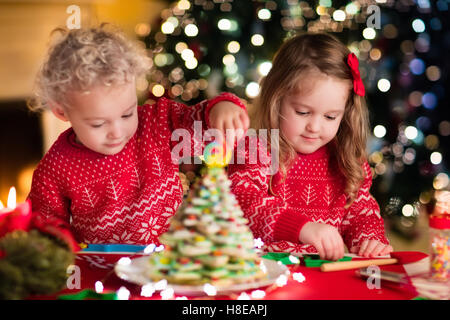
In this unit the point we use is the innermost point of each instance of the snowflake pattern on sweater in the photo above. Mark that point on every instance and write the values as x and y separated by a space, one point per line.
127 197
312 192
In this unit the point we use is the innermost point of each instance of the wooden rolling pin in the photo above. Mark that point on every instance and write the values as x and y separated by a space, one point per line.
346 265
402 257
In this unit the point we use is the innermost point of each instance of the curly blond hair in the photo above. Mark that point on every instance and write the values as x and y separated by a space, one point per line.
82 58
298 56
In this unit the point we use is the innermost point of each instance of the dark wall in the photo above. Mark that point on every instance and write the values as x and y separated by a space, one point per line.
20 141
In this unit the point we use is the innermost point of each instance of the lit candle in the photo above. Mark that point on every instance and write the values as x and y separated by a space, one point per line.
14 216
11 204
12 198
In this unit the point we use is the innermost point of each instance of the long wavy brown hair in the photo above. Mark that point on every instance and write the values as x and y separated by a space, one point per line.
296 58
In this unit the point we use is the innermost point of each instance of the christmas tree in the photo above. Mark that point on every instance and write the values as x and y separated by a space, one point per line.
208 240
202 47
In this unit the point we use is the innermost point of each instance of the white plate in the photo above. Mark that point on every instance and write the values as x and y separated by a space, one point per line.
134 271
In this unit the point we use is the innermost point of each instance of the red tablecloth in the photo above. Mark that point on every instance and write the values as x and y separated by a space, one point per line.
339 285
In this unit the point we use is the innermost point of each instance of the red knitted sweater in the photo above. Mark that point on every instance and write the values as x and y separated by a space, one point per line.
313 191
127 197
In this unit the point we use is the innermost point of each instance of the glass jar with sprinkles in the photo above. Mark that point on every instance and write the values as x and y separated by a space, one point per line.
440 238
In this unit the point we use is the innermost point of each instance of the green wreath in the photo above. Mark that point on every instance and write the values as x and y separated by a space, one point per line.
32 263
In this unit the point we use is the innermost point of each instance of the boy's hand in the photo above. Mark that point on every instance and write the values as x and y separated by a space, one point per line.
231 120
372 248
325 238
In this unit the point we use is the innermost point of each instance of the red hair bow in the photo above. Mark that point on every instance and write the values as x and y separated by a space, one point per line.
358 86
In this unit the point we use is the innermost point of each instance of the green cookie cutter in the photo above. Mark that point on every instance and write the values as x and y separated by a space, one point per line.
88 294
313 260
280 256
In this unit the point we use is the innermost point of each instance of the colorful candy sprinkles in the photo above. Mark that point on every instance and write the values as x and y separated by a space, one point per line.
440 247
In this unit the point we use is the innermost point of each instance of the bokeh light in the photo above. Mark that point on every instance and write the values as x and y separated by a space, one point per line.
158 90
415 98
379 131
252 90
424 123
339 15
233 47
418 25
436 158
411 132
441 181
224 24
444 128
167 28
408 210
257 40
264 68
431 142
417 66
191 30
384 85
429 100
264 14
433 73
352 8
369 33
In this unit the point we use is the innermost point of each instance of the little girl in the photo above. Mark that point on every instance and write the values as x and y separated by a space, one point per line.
319 199
111 175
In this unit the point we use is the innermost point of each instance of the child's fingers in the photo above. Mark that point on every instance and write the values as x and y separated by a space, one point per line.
378 249
245 120
370 247
320 249
338 248
238 127
230 133
240 133
329 248
354 249
218 135
335 254
218 125
386 250
326 249
363 247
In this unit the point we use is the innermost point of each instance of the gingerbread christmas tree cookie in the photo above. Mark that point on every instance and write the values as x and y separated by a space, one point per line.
208 240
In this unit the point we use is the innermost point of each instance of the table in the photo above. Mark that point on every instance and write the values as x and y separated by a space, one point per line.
317 285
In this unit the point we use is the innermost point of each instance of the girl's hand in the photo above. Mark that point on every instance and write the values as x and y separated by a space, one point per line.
230 119
325 238
372 248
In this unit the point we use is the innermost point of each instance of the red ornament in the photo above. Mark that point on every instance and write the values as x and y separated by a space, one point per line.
22 218
57 228
15 219
358 86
